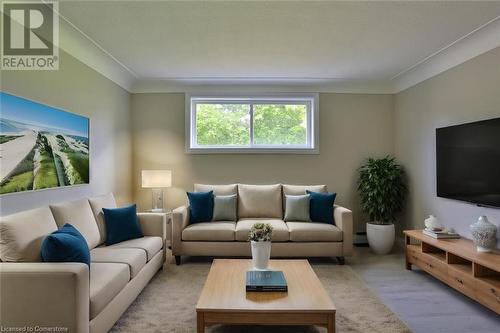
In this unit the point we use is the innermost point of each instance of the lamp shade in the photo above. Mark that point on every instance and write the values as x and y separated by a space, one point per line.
156 178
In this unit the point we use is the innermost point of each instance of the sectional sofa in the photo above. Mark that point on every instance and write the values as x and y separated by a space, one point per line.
261 203
71 297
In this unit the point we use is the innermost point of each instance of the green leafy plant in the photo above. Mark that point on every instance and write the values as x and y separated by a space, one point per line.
382 189
260 232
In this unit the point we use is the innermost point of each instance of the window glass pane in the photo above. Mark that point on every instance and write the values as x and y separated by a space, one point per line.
222 124
280 124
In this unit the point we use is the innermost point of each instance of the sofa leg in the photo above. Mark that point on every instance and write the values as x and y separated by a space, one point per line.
177 260
341 260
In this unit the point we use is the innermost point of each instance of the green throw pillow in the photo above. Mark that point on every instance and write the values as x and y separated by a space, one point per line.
224 208
297 208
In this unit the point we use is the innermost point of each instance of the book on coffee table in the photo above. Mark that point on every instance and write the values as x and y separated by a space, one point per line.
266 281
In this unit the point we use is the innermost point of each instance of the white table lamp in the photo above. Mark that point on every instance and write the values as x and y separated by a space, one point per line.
157 180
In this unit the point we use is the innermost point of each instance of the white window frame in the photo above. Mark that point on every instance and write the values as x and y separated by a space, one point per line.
310 100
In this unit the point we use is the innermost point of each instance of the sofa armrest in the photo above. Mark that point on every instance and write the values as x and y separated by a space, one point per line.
180 220
45 295
343 220
153 224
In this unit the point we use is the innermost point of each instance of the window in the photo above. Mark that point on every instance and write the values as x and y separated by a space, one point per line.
252 124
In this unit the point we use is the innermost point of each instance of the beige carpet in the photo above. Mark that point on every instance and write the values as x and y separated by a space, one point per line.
167 304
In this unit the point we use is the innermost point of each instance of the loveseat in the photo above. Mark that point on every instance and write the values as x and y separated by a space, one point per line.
73 297
261 203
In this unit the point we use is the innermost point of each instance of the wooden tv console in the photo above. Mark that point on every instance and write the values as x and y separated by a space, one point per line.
457 263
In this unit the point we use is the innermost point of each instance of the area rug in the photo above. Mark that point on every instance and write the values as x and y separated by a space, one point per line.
168 303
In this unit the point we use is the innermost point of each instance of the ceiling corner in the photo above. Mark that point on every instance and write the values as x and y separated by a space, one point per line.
475 43
74 42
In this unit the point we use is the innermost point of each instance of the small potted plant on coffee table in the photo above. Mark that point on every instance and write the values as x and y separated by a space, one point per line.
382 189
260 238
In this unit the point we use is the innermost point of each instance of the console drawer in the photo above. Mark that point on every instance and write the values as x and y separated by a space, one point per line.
412 255
461 281
488 295
432 266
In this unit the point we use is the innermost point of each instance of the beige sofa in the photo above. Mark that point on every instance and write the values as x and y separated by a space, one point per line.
69 296
261 203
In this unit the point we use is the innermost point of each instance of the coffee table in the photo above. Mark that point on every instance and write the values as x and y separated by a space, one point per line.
224 300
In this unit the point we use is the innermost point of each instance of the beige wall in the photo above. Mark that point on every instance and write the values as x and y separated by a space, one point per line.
468 92
352 127
77 88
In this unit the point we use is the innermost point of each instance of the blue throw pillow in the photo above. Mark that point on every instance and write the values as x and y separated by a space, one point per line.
65 245
321 206
201 206
121 224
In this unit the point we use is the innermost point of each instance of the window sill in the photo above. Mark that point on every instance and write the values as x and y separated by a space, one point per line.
291 151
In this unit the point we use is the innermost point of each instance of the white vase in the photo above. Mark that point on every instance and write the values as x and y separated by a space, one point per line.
380 237
484 234
261 252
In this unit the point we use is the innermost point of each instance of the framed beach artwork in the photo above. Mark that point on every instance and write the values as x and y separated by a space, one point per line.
41 147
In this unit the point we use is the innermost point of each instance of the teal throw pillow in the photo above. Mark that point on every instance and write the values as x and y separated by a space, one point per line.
201 206
121 224
297 208
321 207
65 245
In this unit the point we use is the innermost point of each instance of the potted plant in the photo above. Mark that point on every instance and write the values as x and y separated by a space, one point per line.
260 238
382 189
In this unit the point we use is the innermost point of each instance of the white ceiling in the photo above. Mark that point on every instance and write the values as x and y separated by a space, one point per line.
275 40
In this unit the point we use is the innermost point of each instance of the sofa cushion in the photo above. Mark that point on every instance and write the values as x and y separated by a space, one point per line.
79 214
134 258
314 232
106 281
210 231
218 189
280 230
21 234
261 201
97 204
121 224
225 207
65 245
151 245
301 190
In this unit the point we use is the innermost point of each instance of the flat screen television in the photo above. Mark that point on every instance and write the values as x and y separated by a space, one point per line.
468 162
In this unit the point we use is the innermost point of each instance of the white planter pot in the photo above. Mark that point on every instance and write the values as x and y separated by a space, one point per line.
261 251
380 237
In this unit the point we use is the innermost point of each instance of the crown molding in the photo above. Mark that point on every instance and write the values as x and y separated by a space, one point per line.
471 45
80 46
257 85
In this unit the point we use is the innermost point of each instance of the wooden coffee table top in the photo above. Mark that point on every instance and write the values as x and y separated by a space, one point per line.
225 291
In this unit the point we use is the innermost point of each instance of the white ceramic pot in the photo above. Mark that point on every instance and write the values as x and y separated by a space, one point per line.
380 237
261 252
